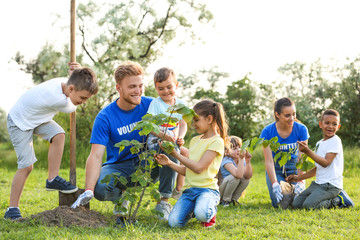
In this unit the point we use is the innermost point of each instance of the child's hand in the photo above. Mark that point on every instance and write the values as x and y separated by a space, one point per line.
303 147
180 141
248 157
73 66
292 178
162 159
169 138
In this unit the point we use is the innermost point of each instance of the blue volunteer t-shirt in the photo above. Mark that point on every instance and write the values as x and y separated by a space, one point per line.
112 125
226 160
299 133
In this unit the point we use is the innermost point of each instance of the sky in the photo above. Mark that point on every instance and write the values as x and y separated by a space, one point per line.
255 36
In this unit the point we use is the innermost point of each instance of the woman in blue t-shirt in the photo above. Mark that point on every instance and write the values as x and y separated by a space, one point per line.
289 131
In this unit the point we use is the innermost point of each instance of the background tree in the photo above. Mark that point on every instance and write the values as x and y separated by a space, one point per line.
4 136
111 33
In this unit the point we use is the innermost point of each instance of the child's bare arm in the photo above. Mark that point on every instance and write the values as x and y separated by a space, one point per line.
197 167
182 131
297 178
237 172
165 161
248 168
324 162
164 136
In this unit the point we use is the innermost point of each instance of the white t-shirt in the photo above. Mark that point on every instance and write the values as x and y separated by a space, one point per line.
40 104
333 173
158 106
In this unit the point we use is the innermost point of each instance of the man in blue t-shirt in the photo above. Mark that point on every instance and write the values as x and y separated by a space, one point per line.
112 125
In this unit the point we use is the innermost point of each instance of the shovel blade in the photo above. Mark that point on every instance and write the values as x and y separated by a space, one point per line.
69 199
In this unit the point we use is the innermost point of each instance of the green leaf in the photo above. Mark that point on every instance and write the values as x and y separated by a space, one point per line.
276 157
168 146
284 158
123 180
245 144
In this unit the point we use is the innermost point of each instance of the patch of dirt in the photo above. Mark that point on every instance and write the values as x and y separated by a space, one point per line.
64 216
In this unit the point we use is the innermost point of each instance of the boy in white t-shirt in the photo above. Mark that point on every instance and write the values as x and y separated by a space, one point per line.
32 115
326 191
166 86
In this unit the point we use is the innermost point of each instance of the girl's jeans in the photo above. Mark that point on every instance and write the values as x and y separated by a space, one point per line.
200 202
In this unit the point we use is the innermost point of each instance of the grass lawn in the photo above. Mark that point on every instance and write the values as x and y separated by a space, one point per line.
254 218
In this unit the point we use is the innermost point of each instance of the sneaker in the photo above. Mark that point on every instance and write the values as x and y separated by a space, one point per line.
175 194
345 200
224 203
61 185
165 209
12 213
234 202
209 224
125 204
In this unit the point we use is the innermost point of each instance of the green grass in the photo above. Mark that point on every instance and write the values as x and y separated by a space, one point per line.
253 219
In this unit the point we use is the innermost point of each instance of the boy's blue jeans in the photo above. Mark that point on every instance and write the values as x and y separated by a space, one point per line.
167 176
202 202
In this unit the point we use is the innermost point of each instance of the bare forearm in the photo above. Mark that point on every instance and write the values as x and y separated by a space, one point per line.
319 160
192 165
93 168
181 169
307 175
248 171
182 129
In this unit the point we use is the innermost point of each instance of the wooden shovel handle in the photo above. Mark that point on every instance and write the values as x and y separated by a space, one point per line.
73 114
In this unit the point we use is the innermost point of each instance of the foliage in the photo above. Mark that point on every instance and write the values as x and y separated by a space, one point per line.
141 179
304 163
245 101
109 34
315 87
4 136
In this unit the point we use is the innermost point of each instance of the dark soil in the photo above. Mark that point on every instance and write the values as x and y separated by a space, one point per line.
64 216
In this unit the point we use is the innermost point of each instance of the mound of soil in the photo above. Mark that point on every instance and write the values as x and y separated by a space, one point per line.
64 216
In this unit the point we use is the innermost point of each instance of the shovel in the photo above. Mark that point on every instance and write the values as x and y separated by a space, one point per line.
69 199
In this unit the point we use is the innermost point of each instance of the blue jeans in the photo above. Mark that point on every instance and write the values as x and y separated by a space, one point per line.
280 177
166 174
202 202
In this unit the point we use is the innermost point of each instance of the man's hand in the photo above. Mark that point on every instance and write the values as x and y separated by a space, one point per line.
83 198
277 191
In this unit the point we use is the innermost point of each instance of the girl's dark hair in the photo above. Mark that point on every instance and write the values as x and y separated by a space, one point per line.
330 112
280 103
209 107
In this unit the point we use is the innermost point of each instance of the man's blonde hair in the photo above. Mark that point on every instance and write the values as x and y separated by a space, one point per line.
127 68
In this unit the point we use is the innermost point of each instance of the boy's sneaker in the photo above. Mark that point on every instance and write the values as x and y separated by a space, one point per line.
234 202
12 213
125 204
209 224
165 208
345 200
175 194
61 185
224 203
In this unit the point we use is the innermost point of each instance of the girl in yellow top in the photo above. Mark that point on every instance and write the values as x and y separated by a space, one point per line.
201 195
